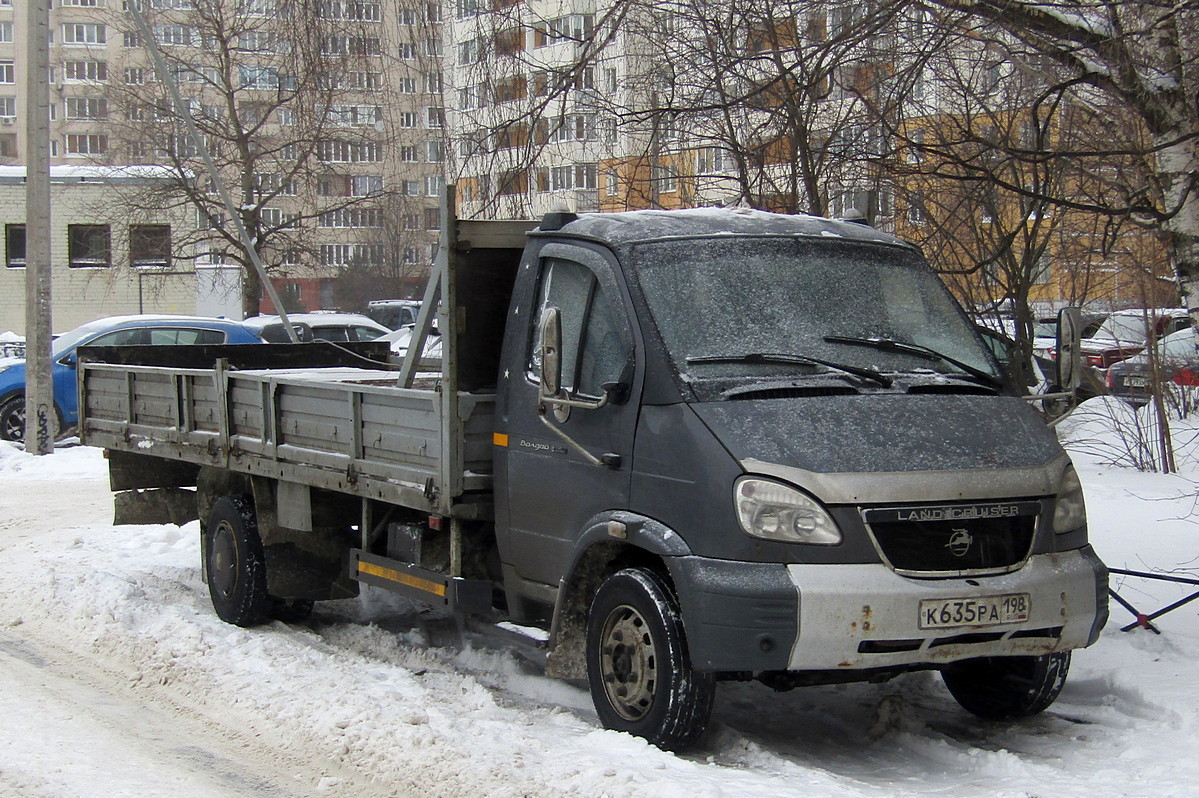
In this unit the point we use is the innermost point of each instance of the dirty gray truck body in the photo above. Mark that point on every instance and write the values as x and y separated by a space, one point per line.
693 445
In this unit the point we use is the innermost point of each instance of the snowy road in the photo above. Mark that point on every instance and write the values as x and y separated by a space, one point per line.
117 744
119 680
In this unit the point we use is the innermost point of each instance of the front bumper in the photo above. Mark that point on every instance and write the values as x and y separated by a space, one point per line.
867 616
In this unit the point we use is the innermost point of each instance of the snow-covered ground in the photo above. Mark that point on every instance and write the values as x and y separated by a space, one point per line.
120 680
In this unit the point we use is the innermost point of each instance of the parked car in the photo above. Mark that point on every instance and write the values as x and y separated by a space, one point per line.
1042 374
393 313
113 331
398 339
1044 332
1126 332
1178 363
336 327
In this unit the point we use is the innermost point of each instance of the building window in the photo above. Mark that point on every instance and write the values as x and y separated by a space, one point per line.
436 116
917 215
8 107
87 108
88 245
85 71
666 178
366 185
14 246
349 152
352 254
432 218
351 217
562 178
709 161
150 245
6 32
79 33
86 144
7 74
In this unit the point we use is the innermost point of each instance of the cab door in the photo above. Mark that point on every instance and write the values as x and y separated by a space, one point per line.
563 465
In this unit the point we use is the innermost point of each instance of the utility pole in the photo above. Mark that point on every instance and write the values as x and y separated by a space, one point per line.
40 418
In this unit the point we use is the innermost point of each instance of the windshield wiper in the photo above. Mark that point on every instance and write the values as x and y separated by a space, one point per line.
919 350
777 357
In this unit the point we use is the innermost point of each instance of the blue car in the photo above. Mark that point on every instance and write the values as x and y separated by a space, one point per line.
115 331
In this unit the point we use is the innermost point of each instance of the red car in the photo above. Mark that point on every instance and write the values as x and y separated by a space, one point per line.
1126 332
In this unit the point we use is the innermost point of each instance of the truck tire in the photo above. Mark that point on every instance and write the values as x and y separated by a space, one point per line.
12 418
1007 687
638 666
234 563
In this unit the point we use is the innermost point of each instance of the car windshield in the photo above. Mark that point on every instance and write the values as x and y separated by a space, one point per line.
755 305
67 340
1045 329
1130 328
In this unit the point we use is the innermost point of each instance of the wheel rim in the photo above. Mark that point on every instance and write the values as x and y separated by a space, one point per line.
628 663
222 563
14 425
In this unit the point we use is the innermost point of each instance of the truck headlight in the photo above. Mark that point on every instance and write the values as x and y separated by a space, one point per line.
774 511
1071 512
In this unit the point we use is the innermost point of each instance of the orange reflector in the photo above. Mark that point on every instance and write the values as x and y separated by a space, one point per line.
499 439
393 575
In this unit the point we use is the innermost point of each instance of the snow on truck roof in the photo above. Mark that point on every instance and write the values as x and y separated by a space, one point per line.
630 227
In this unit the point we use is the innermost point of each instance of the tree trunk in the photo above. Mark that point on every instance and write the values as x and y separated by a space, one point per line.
1178 166
251 290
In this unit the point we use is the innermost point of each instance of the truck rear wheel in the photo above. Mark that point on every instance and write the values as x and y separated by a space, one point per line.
1007 687
234 563
638 666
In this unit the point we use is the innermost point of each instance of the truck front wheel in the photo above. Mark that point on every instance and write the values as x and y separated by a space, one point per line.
638 666
1007 687
234 563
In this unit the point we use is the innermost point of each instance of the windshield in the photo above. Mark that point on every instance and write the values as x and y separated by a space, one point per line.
1128 328
717 301
68 339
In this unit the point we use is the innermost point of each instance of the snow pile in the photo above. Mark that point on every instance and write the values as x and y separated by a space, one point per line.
378 691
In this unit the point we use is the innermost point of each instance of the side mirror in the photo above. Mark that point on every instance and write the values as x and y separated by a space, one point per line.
551 352
1069 355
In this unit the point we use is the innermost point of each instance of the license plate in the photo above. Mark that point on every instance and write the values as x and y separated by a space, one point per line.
1133 381
969 612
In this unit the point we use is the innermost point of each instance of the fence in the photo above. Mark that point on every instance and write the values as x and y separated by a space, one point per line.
1145 620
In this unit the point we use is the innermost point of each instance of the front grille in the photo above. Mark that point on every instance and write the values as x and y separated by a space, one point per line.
957 538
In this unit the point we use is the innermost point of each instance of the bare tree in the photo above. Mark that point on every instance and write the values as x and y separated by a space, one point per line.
286 99
1120 62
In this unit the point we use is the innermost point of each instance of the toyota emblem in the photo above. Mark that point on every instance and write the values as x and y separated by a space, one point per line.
959 543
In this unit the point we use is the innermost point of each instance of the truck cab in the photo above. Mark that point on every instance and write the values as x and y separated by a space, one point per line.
770 446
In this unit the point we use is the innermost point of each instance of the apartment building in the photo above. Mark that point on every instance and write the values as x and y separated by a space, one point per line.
325 122
617 105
